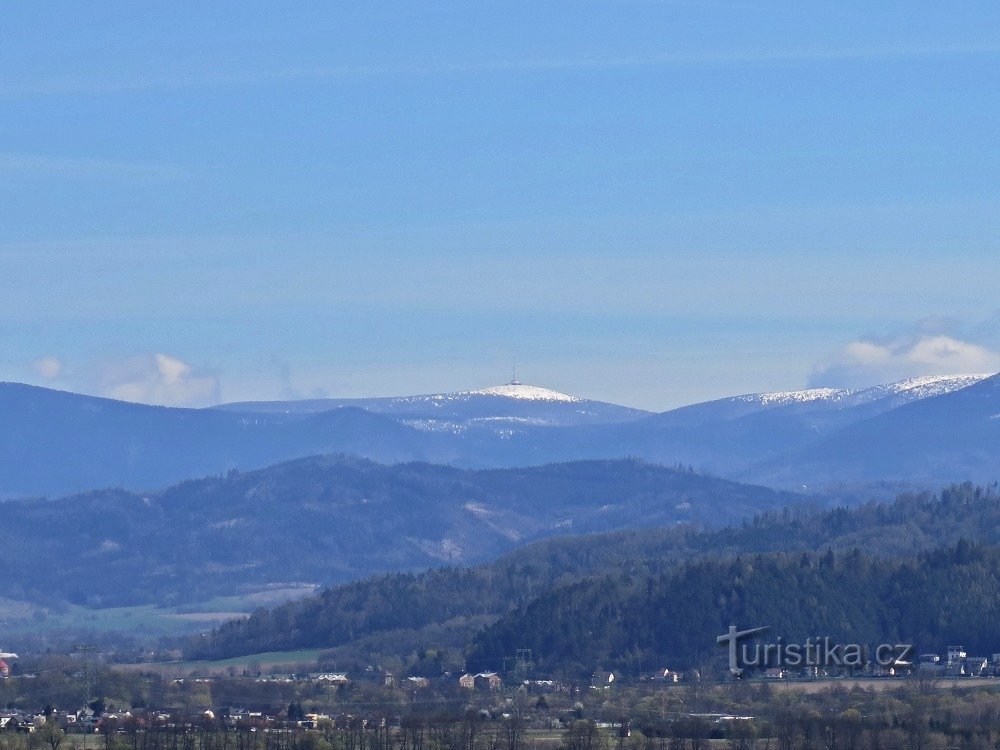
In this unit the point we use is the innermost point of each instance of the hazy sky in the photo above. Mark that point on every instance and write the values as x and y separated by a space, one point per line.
644 201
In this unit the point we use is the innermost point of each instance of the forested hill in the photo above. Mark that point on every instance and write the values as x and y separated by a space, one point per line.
331 519
635 623
445 607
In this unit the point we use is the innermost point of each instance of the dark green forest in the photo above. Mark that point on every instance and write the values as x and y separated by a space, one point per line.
667 588
640 623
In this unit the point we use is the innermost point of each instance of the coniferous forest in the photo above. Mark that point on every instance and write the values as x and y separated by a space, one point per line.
923 567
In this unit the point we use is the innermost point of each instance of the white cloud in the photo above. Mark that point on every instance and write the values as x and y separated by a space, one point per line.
159 379
870 361
48 367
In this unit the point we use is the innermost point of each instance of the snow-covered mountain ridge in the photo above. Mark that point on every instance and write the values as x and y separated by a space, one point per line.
912 389
523 396
512 404
932 429
522 392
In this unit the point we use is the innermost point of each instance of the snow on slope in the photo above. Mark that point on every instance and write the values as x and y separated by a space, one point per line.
917 388
911 389
522 392
793 397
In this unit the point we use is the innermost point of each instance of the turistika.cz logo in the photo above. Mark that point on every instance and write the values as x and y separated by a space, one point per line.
821 652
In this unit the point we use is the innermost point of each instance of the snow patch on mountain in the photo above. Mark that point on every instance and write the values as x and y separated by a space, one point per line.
925 387
911 389
510 420
435 425
522 392
458 428
793 397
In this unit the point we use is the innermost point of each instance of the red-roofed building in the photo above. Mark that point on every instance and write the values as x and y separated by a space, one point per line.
4 669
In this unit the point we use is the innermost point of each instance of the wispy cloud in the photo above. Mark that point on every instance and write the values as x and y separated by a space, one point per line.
870 360
113 82
159 379
48 368
87 168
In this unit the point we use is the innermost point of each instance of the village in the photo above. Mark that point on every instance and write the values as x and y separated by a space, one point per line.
342 691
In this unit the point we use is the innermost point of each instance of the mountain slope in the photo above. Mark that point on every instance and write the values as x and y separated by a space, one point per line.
514 403
56 443
397 614
330 519
732 436
53 442
633 624
953 436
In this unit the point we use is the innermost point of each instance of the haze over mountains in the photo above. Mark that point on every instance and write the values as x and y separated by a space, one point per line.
929 430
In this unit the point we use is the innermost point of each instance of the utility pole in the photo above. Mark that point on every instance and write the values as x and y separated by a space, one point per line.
85 651
521 665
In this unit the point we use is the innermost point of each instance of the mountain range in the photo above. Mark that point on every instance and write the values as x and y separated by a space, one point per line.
330 519
928 430
514 404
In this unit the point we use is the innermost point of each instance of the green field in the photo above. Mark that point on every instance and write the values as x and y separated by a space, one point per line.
266 662
141 621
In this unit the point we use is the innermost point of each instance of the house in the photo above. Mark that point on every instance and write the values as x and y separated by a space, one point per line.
955 655
315 721
418 682
489 681
975 665
774 673
332 678
4 669
670 676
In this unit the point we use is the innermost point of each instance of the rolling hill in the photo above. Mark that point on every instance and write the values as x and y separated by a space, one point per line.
54 443
931 599
328 519
569 592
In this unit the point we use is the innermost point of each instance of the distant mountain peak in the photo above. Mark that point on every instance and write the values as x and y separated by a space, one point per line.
911 388
523 392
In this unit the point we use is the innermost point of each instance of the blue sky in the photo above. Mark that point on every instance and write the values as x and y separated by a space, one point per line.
643 201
